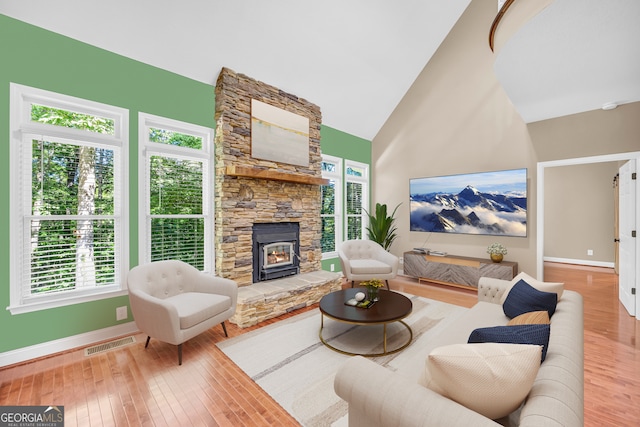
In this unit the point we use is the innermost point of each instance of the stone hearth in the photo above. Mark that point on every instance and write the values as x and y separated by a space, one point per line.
266 300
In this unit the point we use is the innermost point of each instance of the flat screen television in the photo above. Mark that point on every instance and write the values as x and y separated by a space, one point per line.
493 203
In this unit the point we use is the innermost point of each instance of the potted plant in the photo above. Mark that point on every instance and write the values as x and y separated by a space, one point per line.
373 285
381 226
496 251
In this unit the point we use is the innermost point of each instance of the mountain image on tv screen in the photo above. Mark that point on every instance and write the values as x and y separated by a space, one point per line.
477 203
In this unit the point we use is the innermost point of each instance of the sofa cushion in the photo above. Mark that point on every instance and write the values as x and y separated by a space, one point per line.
369 266
555 287
517 334
524 298
531 318
492 379
196 307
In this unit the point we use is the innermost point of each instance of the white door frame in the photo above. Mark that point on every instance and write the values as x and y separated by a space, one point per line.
540 204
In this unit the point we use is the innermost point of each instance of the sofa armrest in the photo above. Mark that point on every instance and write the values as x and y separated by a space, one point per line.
491 290
210 284
156 317
380 397
388 258
345 265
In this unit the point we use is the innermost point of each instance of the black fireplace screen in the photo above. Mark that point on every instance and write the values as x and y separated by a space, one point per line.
277 254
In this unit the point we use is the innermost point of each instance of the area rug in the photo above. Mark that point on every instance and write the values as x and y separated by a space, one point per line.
290 363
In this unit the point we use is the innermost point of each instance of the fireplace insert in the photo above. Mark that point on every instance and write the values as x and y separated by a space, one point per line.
276 250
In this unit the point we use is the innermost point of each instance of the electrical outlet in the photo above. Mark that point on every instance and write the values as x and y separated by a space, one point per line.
121 313
590 252
333 267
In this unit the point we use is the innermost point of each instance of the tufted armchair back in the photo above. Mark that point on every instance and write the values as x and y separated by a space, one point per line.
164 279
361 249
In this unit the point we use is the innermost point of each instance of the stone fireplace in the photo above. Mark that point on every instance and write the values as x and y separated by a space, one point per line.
251 191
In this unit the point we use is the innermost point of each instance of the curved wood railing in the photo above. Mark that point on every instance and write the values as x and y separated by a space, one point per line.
496 21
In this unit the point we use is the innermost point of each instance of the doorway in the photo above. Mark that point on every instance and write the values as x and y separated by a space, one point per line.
540 236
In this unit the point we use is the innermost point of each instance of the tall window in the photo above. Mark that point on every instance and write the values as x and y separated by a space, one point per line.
67 192
357 190
175 172
331 208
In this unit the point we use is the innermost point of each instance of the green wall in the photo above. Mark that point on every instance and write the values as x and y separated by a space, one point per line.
35 57
340 144
39 58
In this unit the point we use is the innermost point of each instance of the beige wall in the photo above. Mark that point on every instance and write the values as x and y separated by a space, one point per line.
579 212
457 119
593 133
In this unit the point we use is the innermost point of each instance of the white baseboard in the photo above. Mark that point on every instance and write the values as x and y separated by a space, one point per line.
590 263
63 344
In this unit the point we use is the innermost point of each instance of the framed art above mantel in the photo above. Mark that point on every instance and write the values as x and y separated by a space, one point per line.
279 135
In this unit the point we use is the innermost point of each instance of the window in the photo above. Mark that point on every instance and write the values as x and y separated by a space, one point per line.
330 211
357 190
176 200
67 192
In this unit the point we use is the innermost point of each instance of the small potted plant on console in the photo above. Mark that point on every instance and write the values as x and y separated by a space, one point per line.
496 251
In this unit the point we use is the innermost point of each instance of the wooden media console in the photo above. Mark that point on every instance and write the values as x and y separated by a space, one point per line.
455 270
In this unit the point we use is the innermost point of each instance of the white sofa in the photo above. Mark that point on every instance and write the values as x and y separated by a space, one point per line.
379 397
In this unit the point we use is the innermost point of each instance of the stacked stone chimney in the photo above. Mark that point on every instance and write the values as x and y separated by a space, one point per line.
240 200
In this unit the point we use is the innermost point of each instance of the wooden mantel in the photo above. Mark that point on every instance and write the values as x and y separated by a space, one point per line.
258 173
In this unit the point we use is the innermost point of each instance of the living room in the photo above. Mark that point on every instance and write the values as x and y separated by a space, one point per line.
449 122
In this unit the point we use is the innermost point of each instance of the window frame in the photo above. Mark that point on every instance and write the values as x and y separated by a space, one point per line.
22 130
146 149
338 202
364 180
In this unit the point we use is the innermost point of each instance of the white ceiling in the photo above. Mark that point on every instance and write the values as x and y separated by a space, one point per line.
356 59
574 56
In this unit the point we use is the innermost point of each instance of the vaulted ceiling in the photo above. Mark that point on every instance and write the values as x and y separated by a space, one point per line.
356 59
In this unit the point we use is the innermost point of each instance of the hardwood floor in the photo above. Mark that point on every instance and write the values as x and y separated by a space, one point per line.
133 386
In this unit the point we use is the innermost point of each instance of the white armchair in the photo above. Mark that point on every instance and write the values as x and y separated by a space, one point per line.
366 259
173 301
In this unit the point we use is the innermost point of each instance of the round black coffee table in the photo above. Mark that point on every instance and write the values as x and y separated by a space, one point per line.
391 307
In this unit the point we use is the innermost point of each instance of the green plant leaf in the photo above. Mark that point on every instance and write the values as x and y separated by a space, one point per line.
381 226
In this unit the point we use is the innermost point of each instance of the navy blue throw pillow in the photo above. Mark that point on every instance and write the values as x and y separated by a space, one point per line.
524 298
517 334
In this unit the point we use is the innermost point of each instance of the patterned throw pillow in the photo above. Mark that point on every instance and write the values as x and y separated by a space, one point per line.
524 298
491 379
531 318
556 287
519 334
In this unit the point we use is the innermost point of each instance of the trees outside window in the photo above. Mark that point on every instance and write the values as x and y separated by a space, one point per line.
175 173
67 192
